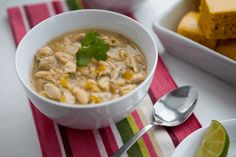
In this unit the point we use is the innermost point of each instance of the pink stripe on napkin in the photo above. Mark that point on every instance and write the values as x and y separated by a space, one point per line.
36 13
109 140
57 7
46 133
16 23
82 143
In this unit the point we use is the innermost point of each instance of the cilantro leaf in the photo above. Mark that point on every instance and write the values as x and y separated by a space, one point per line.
92 46
82 57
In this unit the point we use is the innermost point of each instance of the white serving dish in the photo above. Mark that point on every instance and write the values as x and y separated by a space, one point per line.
85 116
196 54
189 145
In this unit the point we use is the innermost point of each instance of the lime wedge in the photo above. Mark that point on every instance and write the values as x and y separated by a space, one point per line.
215 142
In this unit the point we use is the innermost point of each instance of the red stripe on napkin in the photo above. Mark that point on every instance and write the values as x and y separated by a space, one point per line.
109 140
186 128
57 7
159 87
46 133
82 143
36 13
16 23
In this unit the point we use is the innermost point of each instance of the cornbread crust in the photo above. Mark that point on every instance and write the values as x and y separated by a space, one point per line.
227 48
218 18
189 27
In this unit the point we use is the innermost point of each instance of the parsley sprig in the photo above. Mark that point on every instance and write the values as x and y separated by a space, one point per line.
92 46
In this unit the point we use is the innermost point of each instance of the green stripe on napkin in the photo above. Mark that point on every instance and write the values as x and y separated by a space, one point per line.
135 129
73 5
126 133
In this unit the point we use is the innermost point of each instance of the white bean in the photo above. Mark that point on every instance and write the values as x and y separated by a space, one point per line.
70 67
115 73
46 63
67 41
84 70
52 91
104 83
68 98
126 89
139 59
81 95
137 78
64 57
134 64
123 53
42 74
45 51
79 37
105 96
120 81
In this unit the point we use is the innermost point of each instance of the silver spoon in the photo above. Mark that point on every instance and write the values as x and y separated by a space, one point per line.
170 110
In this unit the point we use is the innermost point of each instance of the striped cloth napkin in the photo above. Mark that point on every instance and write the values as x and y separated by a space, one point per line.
58 141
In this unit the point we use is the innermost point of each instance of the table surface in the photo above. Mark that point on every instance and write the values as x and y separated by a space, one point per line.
18 137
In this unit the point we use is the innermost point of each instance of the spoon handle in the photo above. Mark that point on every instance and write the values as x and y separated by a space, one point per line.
131 141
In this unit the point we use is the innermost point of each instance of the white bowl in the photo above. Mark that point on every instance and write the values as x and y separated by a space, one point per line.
209 60
85 116
189 145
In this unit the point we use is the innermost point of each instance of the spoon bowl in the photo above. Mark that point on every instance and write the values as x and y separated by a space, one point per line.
175 107
170 110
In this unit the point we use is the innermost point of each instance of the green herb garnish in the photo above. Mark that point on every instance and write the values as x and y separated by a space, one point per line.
92 46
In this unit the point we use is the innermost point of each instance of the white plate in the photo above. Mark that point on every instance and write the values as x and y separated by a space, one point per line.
165 27
189 145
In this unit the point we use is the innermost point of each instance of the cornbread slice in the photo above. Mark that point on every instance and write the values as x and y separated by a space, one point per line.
227 48
218 18
189 27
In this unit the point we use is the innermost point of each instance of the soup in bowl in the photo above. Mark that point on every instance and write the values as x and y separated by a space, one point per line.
86 69
88 66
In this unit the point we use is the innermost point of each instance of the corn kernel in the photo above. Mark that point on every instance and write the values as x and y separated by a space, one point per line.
64 80
114 88
92 87
89 85
63 98
100 68
94 99
128 74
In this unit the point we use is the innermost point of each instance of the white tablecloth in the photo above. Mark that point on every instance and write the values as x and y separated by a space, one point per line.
18 137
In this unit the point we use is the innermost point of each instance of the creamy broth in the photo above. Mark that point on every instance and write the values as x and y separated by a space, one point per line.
56 76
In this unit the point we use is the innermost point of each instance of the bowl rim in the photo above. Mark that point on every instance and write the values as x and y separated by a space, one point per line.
85 106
